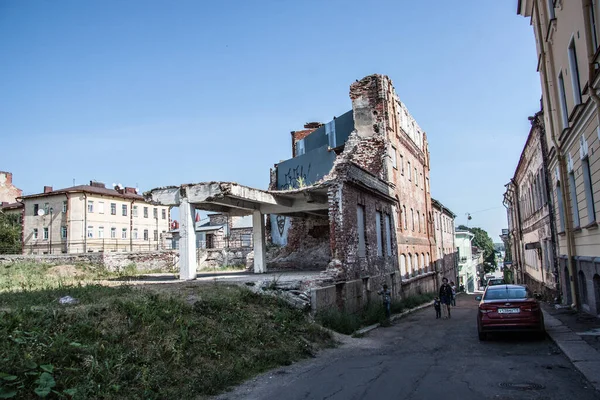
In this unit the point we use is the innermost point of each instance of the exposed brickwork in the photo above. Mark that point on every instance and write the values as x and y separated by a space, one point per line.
8 192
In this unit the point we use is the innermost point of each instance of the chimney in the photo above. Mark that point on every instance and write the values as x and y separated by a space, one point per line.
47 189
313 125
130 190
97 184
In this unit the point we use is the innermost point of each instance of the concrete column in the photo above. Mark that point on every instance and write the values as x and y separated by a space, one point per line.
187 241
258 236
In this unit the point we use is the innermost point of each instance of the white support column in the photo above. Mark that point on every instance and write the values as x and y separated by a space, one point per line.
187 241
258 236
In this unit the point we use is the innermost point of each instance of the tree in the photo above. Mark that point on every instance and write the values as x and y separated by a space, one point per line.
10 234
484 242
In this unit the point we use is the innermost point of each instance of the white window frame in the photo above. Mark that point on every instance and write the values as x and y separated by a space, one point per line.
46 233
124 210
574 70
35 233
135 211
562 98
90 231
113 232
393 157
100 232
135 233
113 208
124 233
146 237
100 207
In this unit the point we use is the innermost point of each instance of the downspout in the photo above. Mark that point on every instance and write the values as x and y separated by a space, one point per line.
443 252
131 226
67 221
561 164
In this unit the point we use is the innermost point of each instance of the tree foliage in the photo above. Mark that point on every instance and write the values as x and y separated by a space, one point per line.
484 242
10 234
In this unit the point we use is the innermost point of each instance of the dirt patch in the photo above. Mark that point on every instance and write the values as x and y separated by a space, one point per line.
65 271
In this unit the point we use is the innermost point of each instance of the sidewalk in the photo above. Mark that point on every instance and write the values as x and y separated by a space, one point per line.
578 336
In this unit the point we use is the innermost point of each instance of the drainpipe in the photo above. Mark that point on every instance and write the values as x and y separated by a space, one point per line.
67 222
131 226
561 164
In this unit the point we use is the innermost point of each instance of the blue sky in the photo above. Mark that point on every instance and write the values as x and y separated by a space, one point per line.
159 93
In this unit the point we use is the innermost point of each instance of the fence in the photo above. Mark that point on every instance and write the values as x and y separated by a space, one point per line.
94 246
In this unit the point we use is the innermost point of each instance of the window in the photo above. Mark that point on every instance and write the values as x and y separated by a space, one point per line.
401 164
124 233
113 208
403 265
330 133
135 233
360 217
574 205
409 174
393 157
574 73
90 231
155 235
419 221
378 232
589 193
412 217
145 234
421 180
550 4
100 207
145 212
90 206
405 217
101 232
562 97
35 232
46 208
300 147
416 177
46 233
65 206
164 213
113 233
427 185
592 18
155 213
135 213
63 232
124 210
388 235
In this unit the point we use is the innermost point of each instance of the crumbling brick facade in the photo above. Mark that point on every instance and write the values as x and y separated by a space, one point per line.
8 192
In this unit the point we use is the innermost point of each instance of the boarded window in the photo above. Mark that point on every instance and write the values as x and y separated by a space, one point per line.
378 231
360 223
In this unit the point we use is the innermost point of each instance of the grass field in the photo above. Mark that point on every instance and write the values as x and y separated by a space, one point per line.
130 342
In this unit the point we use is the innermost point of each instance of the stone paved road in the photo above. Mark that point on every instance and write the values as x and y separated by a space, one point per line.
420 357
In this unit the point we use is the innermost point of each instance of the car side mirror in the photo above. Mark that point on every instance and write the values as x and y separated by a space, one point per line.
478 298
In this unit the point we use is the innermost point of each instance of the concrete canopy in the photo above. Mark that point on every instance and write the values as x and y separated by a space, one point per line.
237 199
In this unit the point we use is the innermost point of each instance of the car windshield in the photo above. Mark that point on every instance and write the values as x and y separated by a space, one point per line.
506 293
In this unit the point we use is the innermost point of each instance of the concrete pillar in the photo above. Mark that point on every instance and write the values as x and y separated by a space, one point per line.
258 236
187 241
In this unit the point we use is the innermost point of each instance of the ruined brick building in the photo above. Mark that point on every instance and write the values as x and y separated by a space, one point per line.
353 201
379 226
8 191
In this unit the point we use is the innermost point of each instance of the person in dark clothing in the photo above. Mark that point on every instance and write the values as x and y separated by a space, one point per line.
386 296
438 308
446 297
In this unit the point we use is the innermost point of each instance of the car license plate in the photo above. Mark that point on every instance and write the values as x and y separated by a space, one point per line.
509 310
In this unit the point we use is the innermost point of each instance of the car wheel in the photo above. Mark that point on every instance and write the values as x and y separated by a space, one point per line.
482 336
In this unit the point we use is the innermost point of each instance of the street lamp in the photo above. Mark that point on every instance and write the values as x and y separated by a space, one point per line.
50 230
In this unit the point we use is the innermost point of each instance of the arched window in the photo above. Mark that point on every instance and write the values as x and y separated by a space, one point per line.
408 265
422 263
412 217
402 265
416 264
405 218
427 266
419 221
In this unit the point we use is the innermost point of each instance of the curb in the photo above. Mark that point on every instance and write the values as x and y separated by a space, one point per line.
394 317
583 356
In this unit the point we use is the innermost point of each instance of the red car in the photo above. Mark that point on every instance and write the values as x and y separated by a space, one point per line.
506 308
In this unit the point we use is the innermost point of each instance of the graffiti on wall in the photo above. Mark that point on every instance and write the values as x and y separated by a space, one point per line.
281 224
296 177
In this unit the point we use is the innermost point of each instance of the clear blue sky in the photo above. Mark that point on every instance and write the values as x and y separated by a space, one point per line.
167 92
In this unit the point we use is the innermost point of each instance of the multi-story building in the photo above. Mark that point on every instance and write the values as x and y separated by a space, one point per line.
8 191
91 218
467 265
567 42
529 202
445 251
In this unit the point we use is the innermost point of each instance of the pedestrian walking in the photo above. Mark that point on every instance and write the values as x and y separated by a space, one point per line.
386 296
438 308
445 298
453 286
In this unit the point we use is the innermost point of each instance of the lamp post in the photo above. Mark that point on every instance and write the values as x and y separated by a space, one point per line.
50 230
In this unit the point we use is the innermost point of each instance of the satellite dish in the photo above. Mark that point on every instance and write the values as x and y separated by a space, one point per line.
40 212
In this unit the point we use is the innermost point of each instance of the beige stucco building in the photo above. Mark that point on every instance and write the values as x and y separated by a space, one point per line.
567 37
445 250
92 218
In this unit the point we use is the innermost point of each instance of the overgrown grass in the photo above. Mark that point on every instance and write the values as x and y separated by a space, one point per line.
136 344
348 323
